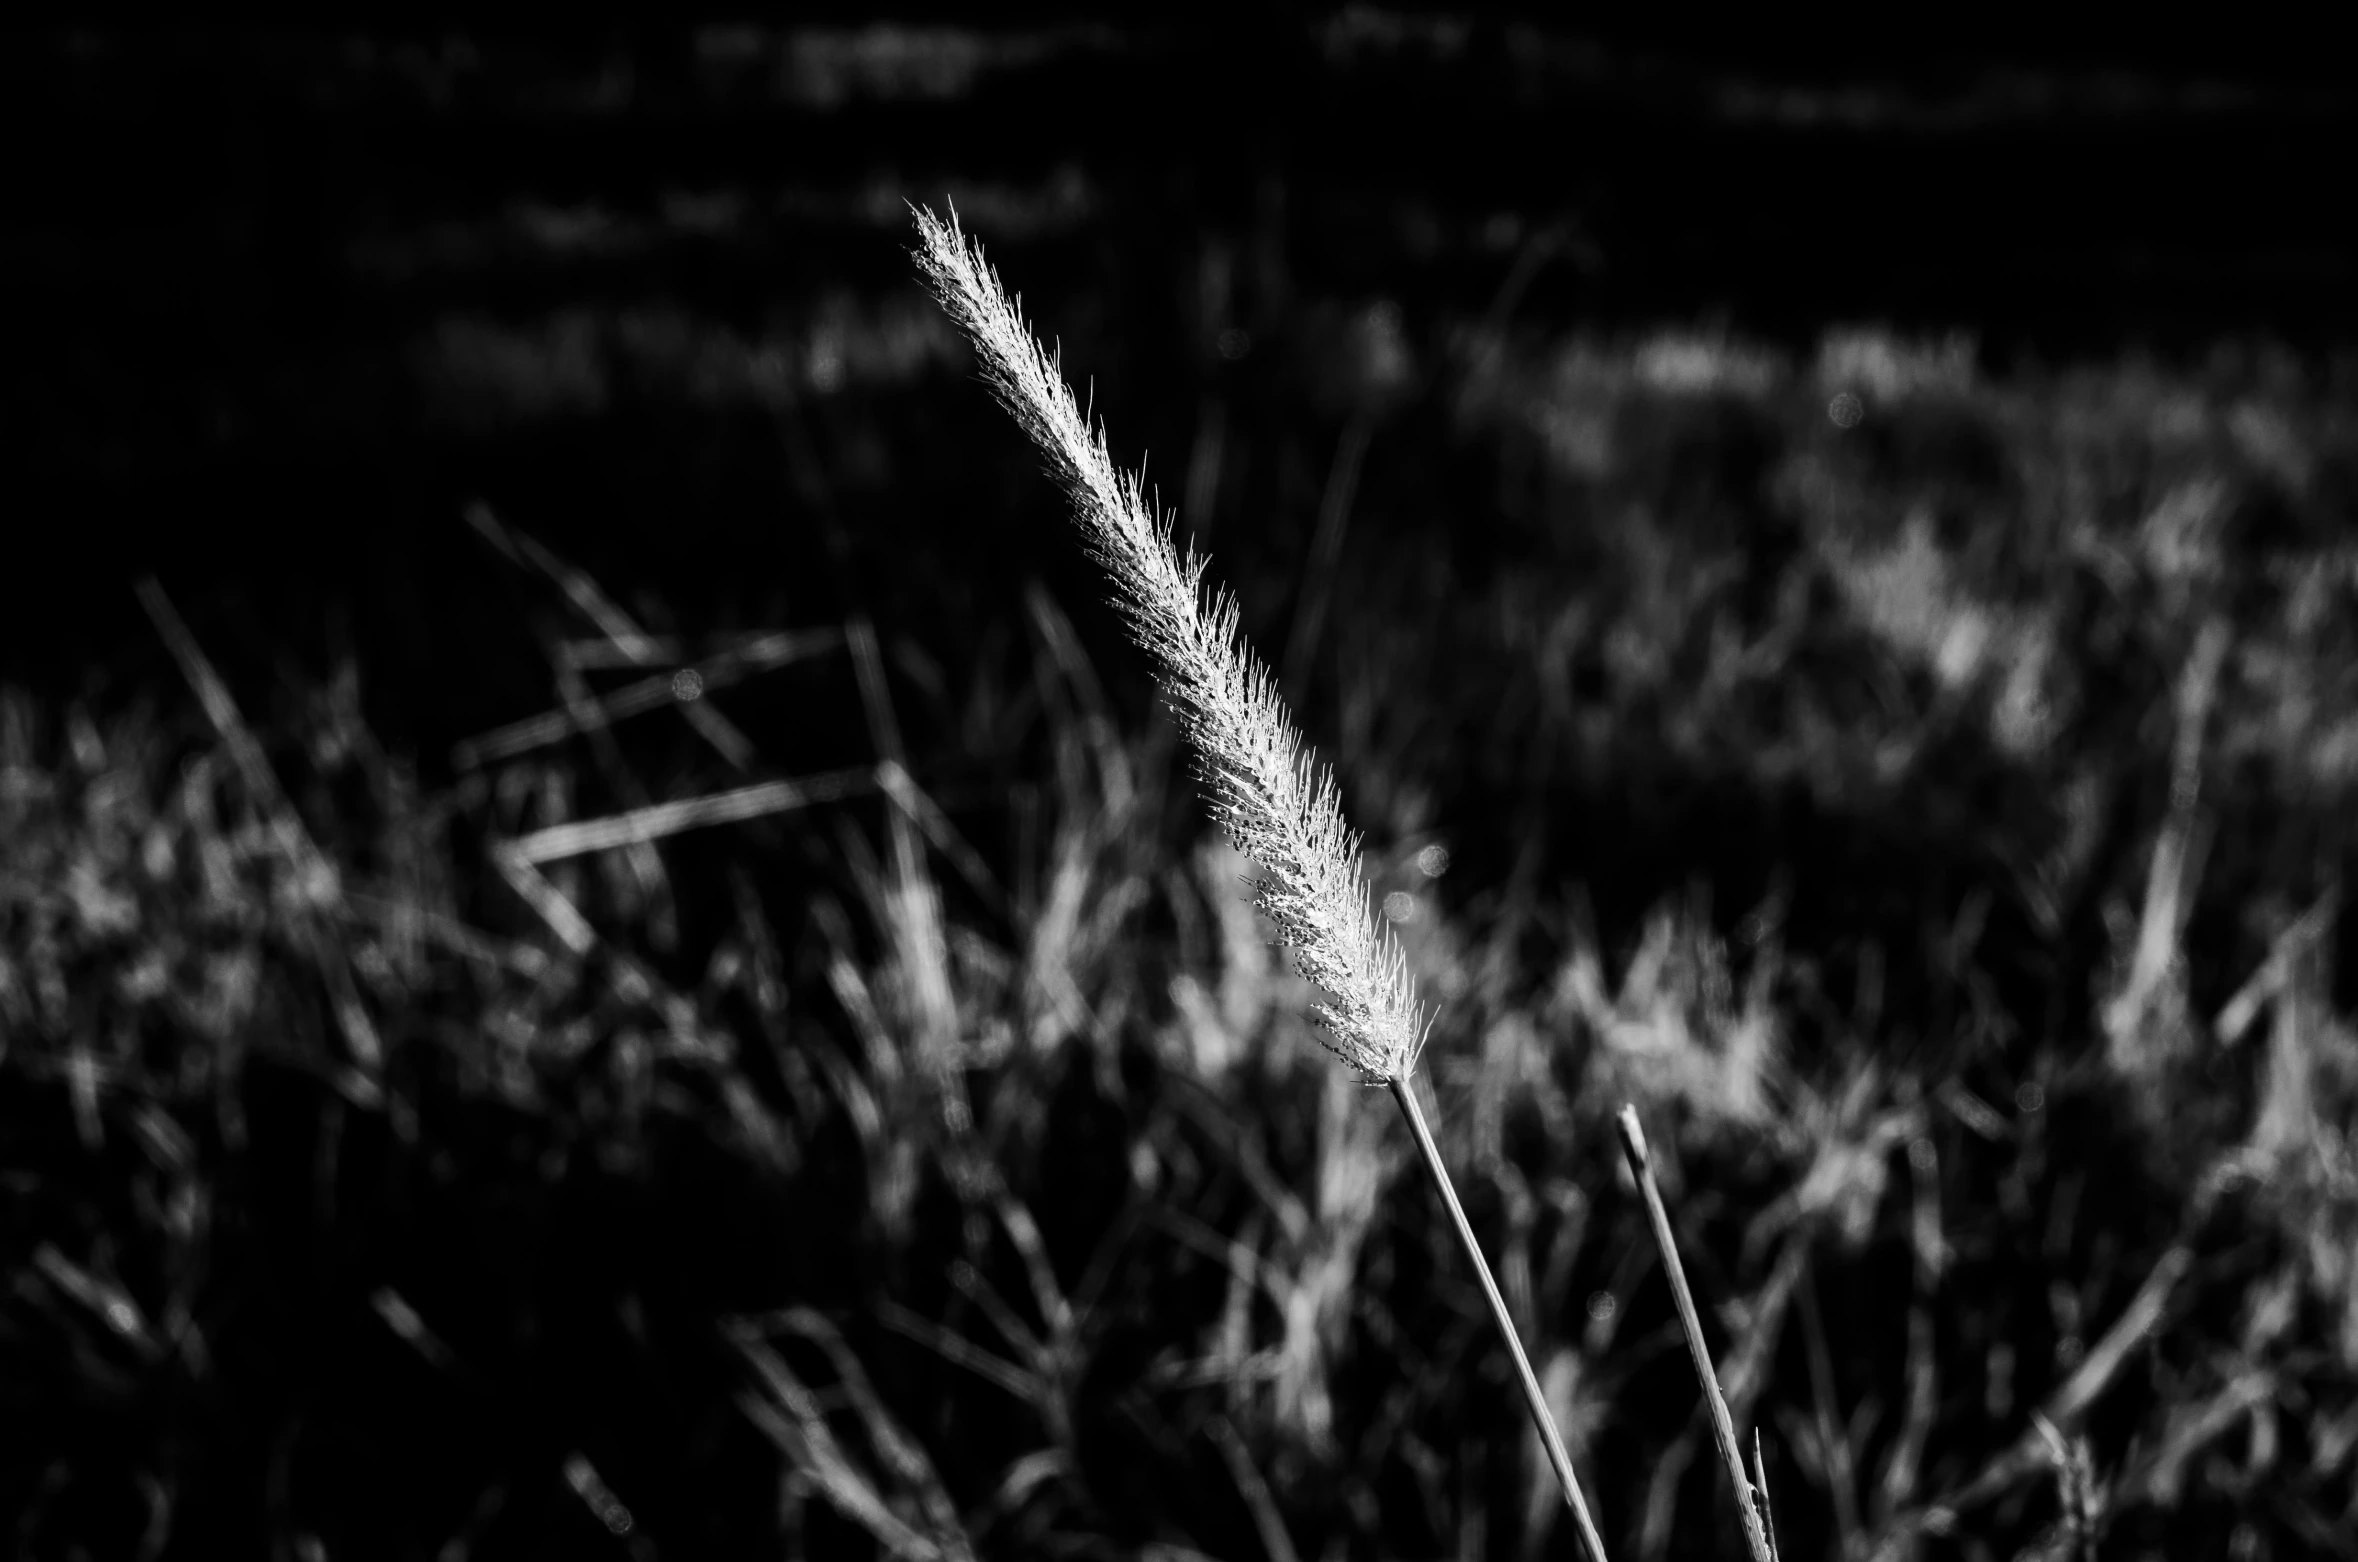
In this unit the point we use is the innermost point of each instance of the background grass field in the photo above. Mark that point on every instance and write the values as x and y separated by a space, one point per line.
1913 774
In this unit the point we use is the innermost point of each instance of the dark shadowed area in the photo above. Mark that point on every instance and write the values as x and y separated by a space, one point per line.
605 948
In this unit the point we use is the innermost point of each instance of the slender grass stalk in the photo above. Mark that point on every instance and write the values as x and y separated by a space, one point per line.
1723 1426
2073 1489
1282 811
1405 1093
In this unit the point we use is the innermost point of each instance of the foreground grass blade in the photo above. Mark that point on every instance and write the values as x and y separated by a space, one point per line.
1723 1426
1264 789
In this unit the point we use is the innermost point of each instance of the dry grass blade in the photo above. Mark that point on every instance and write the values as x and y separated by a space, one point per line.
1836 1459
652 823
523 549
960 1351
2284 955
2064 1408
1326 552
2088 1381
2140 1019
1903 1463
103 1299
673 688
317 879
2075 1486
651 887
412 1329
939 832
633 644
1723 1428
2160 1478
913 906
478 948
603 655
547 901
588 1485
1276 1542
895 1493
1264 789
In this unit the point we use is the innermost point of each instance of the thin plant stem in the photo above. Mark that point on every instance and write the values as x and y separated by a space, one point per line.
1723 1426
1593 1543
1768 1519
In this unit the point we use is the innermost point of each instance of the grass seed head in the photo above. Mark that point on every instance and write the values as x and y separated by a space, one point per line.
1263 787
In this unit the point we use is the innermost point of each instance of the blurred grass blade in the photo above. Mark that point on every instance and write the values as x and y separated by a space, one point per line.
680 687
631 642
314 876
653 823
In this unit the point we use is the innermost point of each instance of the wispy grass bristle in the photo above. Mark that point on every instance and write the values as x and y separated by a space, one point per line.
1262 785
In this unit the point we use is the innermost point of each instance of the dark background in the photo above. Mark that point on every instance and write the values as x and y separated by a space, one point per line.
259 280
282 305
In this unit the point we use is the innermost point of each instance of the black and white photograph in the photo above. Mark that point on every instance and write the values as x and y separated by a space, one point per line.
1313 783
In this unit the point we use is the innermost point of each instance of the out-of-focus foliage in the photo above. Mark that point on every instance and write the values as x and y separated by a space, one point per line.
1919 793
